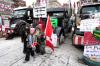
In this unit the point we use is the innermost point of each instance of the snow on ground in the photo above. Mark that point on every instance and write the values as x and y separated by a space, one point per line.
65 55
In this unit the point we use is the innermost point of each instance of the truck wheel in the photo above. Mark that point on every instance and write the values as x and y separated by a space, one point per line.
7 36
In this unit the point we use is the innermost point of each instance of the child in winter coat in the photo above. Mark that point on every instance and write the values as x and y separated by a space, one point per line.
29 49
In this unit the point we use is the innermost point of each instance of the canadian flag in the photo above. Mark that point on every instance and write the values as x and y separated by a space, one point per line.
49 33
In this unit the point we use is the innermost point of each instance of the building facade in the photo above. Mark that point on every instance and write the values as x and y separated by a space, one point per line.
50 3
18 3
5 7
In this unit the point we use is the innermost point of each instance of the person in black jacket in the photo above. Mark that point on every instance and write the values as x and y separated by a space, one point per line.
62 29
63 25
29 49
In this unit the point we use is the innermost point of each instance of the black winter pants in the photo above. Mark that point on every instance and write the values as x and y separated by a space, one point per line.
62 32
25 47
29 52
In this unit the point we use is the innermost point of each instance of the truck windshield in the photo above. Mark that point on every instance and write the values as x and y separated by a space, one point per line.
90 9
58 14
19 13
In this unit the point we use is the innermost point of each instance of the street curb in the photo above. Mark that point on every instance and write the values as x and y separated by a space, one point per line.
90 62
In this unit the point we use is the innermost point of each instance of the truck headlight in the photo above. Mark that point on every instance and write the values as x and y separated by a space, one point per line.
13 25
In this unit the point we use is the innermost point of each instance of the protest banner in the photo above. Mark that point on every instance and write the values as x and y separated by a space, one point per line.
5 21
92 52
88 25
92 45
40 9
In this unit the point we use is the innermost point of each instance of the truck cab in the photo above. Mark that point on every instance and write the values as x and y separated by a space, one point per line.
59 13
26 14
86 11
22 13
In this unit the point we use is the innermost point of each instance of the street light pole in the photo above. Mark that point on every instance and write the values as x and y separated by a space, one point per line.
70 9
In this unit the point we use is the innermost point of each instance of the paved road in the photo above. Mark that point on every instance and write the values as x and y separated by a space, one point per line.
11 55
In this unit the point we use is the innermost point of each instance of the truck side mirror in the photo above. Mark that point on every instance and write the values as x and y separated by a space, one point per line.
28 13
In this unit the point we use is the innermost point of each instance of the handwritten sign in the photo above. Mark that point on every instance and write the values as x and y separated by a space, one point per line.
92 52
6 23
40 10
89 24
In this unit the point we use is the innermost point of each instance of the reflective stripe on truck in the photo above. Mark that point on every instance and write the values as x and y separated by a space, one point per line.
78 40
